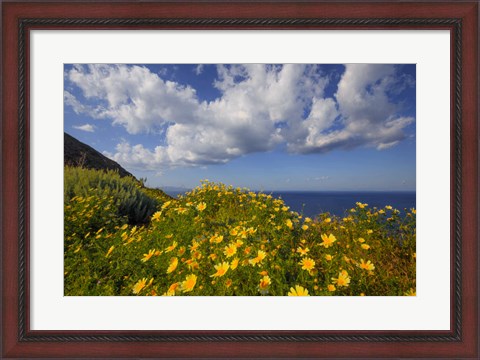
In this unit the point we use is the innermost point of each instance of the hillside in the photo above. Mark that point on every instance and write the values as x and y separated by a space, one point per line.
219 240
77 153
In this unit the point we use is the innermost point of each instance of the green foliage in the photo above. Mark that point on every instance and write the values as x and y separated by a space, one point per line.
86 215
126 192
218 240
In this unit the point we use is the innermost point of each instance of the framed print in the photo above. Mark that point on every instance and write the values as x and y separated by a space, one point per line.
325 130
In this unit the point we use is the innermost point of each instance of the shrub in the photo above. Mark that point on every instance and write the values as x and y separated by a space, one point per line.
129 199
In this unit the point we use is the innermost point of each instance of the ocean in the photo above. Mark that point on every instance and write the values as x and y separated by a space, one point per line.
337 203
312 203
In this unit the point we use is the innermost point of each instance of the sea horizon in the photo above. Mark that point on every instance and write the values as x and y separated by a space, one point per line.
177 190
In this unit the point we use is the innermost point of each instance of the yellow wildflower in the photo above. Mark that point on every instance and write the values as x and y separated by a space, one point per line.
265 282
411 292
189 283
328 257
331 287
171 247
173 265
181 210
110 250
234 264
343 279
139 285
289 224
328 240
173 287
194 246
304 227
201 206
260 256
216 239
193 265
147 257
171 290
303 252
365 246
243 233
366 265
221 269
230 250
360 205
307 264
298 291
156 216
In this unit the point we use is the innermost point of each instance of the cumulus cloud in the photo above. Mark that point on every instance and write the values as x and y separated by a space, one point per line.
260 107
86 127
134 97
362 110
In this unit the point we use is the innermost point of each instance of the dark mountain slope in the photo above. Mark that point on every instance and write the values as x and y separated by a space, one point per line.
76 153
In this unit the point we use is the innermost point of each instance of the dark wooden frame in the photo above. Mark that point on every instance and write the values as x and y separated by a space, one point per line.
461 18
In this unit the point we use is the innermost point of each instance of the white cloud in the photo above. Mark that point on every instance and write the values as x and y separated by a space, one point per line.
76 105
86 127
199 69
260 107
134 97
366 115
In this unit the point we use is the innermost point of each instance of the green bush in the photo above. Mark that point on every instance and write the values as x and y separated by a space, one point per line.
128 197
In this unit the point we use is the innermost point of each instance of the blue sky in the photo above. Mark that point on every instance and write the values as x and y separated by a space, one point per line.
266 127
